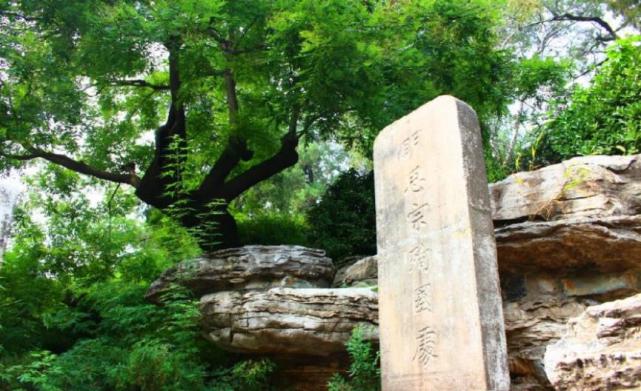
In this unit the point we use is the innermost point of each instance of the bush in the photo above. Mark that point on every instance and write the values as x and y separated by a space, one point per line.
245 376
604 118
344 222
364 373
273 229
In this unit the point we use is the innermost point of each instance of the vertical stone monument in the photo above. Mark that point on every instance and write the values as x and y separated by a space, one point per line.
441 321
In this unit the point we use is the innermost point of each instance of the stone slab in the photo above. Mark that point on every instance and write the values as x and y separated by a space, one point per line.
441 322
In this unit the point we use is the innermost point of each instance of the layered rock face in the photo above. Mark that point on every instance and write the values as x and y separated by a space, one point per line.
568 238
600 351
249 267
362 272
313 322
275 301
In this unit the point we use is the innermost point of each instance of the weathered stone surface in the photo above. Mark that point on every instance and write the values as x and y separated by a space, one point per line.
363 272
440 305
530 326
311 321
579 214
592 186
601 350
249 267
605 244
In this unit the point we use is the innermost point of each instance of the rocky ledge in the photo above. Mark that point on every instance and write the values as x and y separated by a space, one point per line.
591 186
314 322
249 267
579 214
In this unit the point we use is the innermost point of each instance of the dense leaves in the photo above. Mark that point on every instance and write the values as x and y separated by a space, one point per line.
364 373
604 117
344 222
87 86
72 313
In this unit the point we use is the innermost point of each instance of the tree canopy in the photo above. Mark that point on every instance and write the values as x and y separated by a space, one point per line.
192 103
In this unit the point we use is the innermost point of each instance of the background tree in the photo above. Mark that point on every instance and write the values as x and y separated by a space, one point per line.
85 84
603 118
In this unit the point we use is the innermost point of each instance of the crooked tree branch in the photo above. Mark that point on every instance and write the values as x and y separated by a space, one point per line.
235 151
593 19
80 167
284 158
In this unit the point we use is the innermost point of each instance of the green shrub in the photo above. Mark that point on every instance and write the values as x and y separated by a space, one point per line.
273 229
344 222
246 375
364 373
603 118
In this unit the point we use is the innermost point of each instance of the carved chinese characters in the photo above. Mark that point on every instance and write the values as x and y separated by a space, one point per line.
441 324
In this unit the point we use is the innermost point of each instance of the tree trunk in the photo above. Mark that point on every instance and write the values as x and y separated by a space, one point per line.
212 225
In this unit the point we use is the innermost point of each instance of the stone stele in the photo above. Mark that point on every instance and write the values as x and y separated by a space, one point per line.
441 321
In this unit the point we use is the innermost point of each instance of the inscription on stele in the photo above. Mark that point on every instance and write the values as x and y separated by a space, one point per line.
441 322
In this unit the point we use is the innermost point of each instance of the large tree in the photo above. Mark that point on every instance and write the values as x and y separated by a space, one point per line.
193 102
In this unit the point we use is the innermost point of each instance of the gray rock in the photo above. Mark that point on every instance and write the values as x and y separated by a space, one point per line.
363 272
591 186
598 244
314 322
601 349
249 267
530 325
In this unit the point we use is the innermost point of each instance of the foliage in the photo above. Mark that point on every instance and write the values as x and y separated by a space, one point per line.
72 312
247 375
364 373
344 221
86 85
296 189
629 9
537 81
127 344
602 118
274 229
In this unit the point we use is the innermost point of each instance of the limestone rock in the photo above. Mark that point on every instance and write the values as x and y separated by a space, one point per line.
311 321
530 325
598 244
249 267
601 350
363 272
594 186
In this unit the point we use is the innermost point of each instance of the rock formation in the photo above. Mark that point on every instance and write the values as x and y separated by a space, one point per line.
601 350
568 238
275 301
249 267
362 272
313 322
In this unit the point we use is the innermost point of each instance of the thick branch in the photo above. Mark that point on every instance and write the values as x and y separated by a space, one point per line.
593 19
80 167
284 158
235 151
232 98
18 157
154 184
